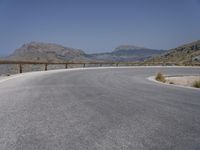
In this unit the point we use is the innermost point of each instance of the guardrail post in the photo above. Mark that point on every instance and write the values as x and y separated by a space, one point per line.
100 65
45 67
84 65
117 64
20 68
66 66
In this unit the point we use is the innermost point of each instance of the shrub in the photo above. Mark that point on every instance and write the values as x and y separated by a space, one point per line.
196 84
160 77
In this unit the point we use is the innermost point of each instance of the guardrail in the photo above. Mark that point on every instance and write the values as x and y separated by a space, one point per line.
100 64
66 64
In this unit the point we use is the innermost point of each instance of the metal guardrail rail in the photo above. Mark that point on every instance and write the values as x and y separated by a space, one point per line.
20 63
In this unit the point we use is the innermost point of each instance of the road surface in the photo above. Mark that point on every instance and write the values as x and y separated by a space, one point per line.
99 109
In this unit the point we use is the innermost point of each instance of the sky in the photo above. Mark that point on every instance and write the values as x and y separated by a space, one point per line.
99 25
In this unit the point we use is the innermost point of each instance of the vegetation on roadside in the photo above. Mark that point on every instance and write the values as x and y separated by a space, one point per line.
160 77
196 84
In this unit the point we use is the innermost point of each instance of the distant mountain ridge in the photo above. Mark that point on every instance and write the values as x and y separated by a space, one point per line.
49 52
129 47
136 50
38 51
127 53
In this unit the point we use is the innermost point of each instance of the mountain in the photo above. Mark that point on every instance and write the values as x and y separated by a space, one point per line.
38 51
127 53
184 54
129 47
45 52
48 52
135 50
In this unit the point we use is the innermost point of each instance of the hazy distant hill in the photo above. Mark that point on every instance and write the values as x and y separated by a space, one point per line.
135 50
127 53
182 55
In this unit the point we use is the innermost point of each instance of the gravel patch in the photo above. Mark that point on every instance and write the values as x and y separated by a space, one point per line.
182 80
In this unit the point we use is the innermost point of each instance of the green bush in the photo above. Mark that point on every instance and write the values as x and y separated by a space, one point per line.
196 84
160 77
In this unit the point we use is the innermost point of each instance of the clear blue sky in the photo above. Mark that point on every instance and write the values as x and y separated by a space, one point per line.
99 25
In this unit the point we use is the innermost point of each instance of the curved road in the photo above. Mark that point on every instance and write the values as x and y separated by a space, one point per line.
99 109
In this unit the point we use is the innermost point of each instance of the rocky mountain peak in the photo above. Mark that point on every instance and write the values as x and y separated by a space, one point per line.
46 52
47 47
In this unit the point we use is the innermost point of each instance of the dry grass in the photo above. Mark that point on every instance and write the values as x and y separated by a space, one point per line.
160 77
196 84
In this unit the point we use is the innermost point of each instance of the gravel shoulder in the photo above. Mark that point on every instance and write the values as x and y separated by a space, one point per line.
182 80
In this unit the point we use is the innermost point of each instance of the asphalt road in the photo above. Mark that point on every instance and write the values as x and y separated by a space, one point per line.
99 109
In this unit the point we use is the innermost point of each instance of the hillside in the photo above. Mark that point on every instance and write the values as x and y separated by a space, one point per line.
127 53
184 54
37 51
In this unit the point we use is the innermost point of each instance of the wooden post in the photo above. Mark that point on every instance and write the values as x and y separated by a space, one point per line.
45 67
20 68
66 66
